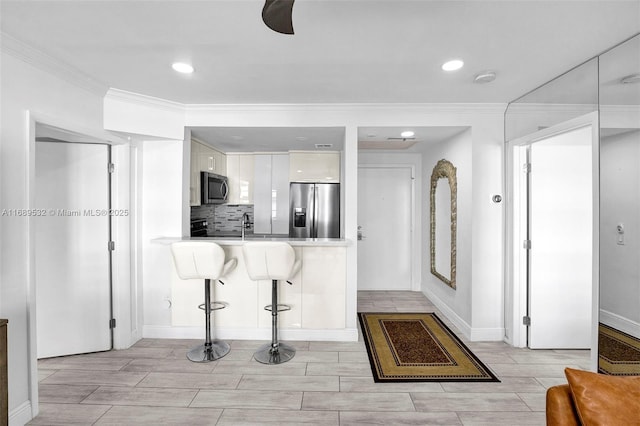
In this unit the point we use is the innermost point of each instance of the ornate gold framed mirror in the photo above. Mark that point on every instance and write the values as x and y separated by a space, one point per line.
443 196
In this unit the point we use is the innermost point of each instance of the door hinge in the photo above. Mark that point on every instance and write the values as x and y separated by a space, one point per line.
526 167
112 245
111 167
526 321
112 323
526 244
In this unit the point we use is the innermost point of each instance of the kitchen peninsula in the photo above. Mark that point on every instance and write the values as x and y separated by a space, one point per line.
317 295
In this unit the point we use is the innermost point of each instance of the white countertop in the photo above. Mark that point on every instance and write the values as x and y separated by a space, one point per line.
238 241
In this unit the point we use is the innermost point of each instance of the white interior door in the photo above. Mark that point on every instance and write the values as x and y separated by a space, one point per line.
73 294
561 235
384 220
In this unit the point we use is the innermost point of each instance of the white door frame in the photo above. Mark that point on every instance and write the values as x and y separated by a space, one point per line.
124 285
516 225
415 238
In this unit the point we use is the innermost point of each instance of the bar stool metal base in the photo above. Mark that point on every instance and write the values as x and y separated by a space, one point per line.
217 350
274 354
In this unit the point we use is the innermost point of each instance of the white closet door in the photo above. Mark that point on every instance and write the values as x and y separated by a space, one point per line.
73 294
384 216
561 234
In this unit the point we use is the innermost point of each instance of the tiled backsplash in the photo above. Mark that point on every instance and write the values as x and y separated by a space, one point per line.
223 217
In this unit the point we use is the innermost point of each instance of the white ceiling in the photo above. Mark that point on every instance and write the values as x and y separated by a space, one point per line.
282 139
272 139
343 51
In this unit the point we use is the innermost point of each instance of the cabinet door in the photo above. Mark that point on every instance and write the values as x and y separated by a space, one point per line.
194 181
220 163
245 179
279 194
233 171
207 161
262 204
314 166
240 174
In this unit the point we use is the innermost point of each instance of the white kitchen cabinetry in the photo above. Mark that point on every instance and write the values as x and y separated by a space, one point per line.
203 159
194 181
240 173
311 166
271 194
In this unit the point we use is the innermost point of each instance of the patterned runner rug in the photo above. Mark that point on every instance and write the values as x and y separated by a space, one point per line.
418 347
618 352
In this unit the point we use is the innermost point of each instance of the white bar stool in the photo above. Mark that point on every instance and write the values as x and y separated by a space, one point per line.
204 260
272 261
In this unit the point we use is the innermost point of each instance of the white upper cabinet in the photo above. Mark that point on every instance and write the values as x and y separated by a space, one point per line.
310 166
240 173
271 194
280 194
262 194
203 159
194 176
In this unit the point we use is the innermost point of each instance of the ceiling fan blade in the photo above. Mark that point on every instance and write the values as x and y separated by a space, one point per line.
276 14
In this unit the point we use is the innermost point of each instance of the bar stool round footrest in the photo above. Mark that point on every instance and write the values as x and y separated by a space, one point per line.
214 306
281 308
201 353
274 354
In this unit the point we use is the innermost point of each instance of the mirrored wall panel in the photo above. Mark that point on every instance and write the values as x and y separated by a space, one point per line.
609 84
571 95
619 329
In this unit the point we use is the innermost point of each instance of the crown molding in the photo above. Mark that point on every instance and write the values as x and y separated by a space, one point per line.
529 108
429 108
620 109
144 100
40 60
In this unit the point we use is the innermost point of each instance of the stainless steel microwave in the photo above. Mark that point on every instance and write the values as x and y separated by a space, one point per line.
215 188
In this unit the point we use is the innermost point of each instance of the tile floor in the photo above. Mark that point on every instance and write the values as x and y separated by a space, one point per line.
327 383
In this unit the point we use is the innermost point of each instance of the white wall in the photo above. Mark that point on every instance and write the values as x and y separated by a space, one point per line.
58 102
488 229
161 165
476 306
457 302
620 203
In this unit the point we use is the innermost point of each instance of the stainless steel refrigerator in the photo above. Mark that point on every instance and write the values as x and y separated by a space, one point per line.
314 210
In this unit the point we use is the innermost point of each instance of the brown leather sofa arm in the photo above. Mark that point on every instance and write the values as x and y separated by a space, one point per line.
561 410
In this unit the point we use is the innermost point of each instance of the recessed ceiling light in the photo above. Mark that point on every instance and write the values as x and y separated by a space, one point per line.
182 67
407 134
453 65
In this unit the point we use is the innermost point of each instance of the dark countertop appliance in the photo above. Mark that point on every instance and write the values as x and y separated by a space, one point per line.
215 188
199 227
314 210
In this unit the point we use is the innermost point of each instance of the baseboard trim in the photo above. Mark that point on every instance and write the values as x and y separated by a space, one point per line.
620 323
461 324
21 415
495 334
187 332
